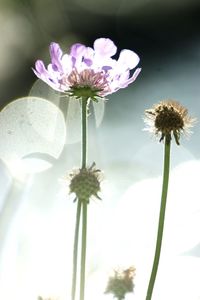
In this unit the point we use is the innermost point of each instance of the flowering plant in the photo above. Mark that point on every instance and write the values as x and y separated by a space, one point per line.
86 71
87 74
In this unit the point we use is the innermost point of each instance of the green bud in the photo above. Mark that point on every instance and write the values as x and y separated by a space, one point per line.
85 183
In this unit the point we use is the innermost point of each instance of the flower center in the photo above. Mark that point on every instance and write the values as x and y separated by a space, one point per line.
87 83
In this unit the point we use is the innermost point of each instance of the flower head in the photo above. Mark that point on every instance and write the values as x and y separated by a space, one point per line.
121 283
88 72
167 118
85 183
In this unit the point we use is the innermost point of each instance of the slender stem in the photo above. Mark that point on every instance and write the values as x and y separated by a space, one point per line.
83 250
84 102
75 253
161 219
80 205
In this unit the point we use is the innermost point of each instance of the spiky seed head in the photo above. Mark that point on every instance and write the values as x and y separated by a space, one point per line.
85 183
167 118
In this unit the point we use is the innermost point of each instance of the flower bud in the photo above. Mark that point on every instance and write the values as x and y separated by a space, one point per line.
85 183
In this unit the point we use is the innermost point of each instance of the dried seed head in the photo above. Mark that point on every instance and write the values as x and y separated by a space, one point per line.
121 283
168 117
85 183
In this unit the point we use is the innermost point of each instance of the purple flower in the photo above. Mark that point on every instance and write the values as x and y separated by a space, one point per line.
89 72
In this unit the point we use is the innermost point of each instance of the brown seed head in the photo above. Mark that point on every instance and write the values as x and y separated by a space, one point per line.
121 283
167 118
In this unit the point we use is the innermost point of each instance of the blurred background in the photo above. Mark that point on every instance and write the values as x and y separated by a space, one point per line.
156 30
36 219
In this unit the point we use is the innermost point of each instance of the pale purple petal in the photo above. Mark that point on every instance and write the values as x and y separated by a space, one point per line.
40 68
89 53
88 62
103 64
56 54
128 59
125 82
44 74
67 63
106 68
55 51
108 63
88 56
54 75
123 78
105 47
77 50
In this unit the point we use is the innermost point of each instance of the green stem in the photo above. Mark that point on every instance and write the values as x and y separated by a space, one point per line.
75 254
80 206
161 219
84 102
83 250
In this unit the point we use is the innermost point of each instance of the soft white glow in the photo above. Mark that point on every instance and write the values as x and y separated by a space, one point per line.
20 168
70 107
5 183
136 233
37 257
32 130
